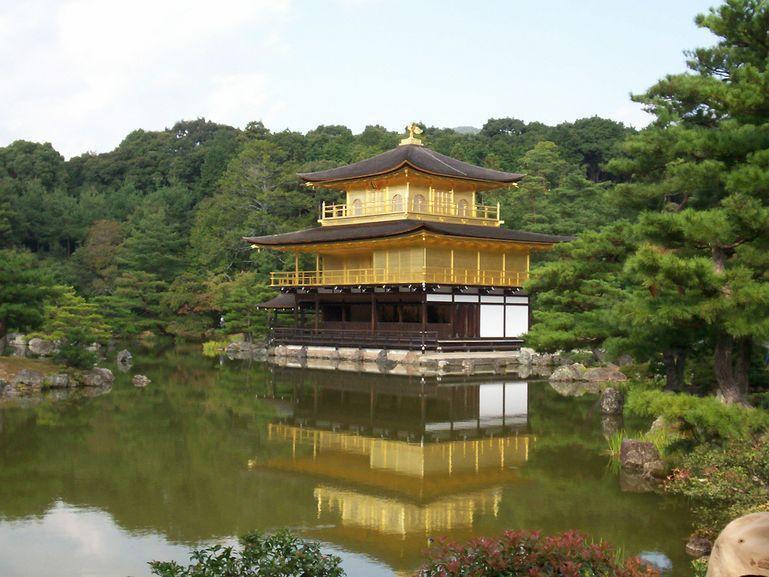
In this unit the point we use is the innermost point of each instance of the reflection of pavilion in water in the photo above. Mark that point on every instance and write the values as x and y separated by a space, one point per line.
400 460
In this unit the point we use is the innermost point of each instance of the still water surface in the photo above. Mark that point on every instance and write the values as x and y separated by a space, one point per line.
370 465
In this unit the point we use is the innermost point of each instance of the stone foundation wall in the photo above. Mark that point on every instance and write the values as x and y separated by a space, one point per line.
524 362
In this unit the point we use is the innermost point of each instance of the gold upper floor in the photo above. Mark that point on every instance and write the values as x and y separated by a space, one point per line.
409 195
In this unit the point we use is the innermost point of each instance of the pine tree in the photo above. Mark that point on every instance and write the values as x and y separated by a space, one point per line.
702 170
24 288
575 291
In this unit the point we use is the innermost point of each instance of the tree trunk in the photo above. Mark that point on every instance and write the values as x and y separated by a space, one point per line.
2 329
681 355
675 369
728 387
742 366
671 375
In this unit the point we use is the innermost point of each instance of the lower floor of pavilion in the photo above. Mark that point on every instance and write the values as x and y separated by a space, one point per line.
403 317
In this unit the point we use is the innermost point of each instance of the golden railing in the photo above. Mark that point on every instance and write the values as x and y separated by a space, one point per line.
375 276
414 207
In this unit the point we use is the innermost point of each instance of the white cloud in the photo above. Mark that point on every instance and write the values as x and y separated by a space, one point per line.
82 73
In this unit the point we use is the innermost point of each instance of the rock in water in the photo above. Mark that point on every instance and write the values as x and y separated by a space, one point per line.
742 548
140 381
97 377
567 373
28 377
106 374
698 546
612 401
124 357
634 455
57 381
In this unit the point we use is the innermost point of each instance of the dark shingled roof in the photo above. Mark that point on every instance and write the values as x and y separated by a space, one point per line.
280 301
414 156
352 232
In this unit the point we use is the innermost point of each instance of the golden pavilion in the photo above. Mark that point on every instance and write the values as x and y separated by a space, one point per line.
412 259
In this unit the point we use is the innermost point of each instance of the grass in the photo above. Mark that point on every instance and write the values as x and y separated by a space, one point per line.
662 438
214 348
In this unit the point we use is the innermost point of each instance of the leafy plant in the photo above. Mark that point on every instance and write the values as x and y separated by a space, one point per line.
705 418
278 555
514 553
700 567
724 482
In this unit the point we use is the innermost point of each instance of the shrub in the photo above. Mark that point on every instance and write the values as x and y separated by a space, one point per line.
724 482
278 555
73 350
517 553
705 418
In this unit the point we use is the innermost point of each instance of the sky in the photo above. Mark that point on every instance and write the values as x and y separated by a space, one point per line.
82 74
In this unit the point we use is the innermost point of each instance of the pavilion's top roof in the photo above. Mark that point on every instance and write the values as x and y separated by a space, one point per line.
365 231
417 157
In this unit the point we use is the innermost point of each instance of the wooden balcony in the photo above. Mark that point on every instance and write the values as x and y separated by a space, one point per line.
447 212
373 276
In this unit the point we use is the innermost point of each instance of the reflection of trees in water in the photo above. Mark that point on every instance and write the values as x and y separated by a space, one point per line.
173 458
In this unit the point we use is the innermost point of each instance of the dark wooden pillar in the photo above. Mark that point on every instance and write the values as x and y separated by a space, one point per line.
373 311
317 311
424 312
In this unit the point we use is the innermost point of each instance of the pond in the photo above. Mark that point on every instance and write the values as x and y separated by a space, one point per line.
369 465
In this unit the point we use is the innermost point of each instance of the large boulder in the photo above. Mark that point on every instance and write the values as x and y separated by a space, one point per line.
568 373
634 455
42 347
612 401
742 548
97 377
607 374
17 344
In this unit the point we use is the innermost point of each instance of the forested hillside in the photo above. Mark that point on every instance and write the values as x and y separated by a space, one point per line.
150 233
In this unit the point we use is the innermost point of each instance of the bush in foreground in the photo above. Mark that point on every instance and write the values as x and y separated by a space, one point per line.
724 482
519 553
278 555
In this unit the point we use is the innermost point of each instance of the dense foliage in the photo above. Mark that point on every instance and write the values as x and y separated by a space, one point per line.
278 555
724 482
521 553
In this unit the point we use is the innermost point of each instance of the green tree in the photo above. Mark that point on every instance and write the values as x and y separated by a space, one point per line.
76 323
135 304
153 244
24 288
701 172
190 308
237 300
95 262
574 293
